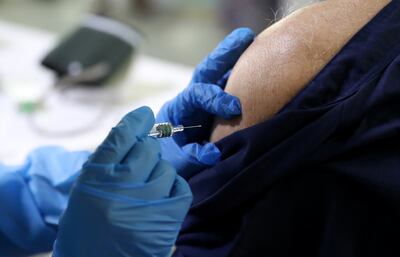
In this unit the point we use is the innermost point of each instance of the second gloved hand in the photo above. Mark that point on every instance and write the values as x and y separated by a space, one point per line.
199 103
32 198
127 201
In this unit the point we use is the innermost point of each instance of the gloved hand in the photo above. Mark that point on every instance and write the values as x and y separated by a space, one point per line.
33 197
203 99
127 201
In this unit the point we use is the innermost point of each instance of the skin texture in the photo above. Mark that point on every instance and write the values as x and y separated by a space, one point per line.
288 55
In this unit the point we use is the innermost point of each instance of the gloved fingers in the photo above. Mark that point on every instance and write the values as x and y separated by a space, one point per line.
224 57
162 179
222 82
207 154
120 140
182 162
181 189
157 187
135 168
212 99
142 159
98 174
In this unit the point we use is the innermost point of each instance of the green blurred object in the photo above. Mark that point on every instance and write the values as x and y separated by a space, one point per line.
101 44
29 107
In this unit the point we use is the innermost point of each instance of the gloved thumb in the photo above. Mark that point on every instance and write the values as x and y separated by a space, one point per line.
214 100
200 156
207 154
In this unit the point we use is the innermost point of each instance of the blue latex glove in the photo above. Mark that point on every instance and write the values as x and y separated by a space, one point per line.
33 197
127 201
203 99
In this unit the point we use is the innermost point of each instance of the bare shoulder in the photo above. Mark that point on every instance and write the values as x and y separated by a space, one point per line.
288 55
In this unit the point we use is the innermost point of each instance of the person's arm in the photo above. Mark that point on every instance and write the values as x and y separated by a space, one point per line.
288 55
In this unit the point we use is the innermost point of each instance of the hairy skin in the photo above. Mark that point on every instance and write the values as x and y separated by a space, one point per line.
288 55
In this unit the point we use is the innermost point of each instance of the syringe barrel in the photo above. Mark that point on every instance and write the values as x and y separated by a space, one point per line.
166 129
161 130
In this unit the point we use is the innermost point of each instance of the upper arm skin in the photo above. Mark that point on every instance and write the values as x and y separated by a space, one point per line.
288 55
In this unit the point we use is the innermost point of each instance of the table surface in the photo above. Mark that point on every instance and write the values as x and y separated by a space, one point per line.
149 81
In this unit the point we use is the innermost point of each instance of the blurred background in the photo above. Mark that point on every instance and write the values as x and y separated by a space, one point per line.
70 69
176 30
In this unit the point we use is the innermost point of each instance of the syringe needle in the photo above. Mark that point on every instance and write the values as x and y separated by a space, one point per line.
190 127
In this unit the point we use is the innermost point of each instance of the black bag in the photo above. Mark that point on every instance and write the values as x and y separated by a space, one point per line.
93 53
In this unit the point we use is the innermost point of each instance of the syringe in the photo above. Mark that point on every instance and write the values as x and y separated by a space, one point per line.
166 129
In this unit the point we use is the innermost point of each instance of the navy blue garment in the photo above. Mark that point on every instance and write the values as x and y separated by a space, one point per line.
322 177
